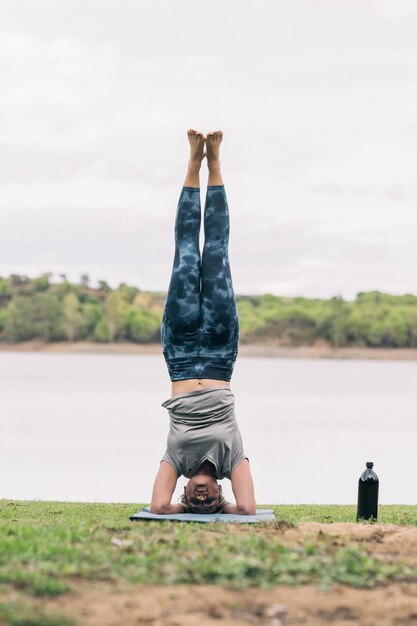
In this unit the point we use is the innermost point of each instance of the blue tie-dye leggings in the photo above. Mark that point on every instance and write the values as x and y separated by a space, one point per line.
200 326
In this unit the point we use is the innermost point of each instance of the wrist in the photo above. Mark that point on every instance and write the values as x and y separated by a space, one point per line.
228 507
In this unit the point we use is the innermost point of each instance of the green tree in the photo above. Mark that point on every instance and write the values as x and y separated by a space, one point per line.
127 293
104 286
357 327
48 318
143 325
388 330
73 319
411 320
102 332
114 307
18 324
41 283
5 292
15 280
3 317
65 287
337 321
4 287
92 314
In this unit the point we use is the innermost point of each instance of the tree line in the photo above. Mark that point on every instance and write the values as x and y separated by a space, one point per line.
38 308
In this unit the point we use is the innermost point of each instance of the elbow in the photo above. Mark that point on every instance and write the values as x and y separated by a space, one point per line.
247 509
157 509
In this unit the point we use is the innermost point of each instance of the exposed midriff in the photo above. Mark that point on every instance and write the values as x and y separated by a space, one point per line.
193 384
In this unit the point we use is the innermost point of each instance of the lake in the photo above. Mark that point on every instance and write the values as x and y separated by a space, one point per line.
89 427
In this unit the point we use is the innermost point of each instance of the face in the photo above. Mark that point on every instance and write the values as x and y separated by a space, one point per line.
203 494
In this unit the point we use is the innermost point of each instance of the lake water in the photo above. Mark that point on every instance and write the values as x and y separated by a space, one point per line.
90 427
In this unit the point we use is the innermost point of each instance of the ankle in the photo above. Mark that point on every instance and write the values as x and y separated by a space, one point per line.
213 164
194 165
215 178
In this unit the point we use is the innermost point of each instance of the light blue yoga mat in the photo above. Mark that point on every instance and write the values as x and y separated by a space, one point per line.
262 515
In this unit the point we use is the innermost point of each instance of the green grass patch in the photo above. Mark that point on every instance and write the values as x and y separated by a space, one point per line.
117 515
21 614
35 584
46 546
331 513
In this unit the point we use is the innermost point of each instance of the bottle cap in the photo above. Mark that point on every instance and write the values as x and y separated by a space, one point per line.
369 464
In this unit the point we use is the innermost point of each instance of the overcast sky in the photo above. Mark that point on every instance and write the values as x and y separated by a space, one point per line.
317 101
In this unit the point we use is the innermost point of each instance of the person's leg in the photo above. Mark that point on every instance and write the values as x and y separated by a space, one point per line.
213 141
181 317
197 154
219 319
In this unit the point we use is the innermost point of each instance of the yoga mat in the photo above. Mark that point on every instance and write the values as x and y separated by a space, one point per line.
262 515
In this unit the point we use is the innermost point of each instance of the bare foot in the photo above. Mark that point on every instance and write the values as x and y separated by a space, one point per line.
197 141
213 141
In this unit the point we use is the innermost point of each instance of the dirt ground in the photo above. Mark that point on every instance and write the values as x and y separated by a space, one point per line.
387 542
106 604
393 605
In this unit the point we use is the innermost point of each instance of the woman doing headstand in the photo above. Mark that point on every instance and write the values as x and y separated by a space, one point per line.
200 334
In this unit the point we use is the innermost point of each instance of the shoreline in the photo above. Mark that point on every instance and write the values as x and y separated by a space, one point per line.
245 350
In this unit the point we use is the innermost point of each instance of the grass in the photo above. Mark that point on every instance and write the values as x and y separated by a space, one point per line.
47 547
117 515
23 614
330 513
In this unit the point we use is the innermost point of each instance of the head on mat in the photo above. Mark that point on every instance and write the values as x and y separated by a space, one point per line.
200 334
202 493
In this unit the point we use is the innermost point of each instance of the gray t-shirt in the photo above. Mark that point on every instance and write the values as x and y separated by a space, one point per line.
203 427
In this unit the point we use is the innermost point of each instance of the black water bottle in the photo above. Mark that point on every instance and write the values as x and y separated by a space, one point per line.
368 494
